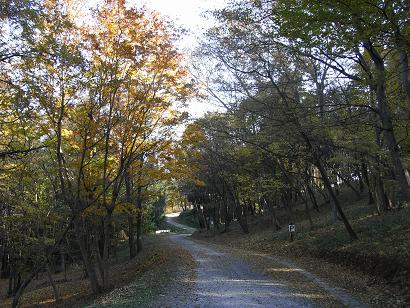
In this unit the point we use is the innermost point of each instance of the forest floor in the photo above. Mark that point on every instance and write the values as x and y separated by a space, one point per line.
136 283
375 268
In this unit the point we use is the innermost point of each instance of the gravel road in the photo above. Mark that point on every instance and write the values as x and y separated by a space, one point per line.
224 280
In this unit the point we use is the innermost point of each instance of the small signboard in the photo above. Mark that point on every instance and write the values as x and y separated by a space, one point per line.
292 228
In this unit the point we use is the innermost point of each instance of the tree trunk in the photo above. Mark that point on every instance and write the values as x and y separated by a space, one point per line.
359 175
243 216
139 219
52 282
217 208
272 211
347 182
106 251
12 277
401 174
5 265
404 75
312 198
131 239
307 210
97 251
10 286
200 215
64 265
381 200
287 203
226 213
366 180
336 203
24 285
92 275
328 186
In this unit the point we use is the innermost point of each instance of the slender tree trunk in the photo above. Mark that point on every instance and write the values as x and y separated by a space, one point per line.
404 76
106 252
96 251
322 192
52 282
328 186
313 198
5 265
24 285
242 216
217 214
64 265
139 220
381 200
359 175
12 277
287 203
366 180
347 182
307 210
335 200
131 239
400 172
92 275
271 206
10 286
244 219
226 212
200 215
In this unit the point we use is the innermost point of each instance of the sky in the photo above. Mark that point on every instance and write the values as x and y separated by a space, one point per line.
189 15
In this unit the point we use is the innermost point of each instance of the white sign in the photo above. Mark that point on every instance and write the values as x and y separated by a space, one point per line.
292 228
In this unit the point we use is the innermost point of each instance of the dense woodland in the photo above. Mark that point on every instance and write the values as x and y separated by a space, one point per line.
316 98
88 112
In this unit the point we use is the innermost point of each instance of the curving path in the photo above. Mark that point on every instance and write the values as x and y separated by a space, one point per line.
224 280
170 218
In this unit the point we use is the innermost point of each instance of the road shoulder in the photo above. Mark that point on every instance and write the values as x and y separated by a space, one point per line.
323 278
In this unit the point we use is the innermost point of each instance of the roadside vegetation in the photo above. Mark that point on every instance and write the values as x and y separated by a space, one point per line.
189 218
136 282
379 259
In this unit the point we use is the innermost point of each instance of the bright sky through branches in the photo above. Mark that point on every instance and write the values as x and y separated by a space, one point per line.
188 14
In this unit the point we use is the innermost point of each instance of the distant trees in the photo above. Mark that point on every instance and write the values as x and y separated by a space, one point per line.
315 93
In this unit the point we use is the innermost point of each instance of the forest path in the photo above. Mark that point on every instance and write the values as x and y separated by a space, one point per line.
225 280
171 219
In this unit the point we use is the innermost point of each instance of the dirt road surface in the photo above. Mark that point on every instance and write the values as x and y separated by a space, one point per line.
225 280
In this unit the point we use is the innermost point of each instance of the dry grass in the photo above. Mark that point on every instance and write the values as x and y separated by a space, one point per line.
150 271
375 267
